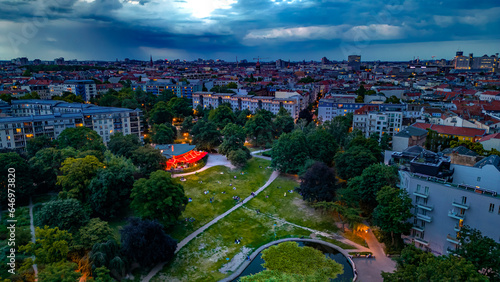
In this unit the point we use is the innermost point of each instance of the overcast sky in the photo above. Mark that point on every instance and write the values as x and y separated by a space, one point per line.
224 29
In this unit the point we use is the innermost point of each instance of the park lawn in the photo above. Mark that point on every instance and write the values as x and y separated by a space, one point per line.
291 208
202 258
255 175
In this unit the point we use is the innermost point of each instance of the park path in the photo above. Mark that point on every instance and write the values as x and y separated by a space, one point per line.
259 156
369 269
33 238
213 160
191 236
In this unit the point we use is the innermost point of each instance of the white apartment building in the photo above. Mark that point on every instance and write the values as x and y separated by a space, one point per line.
292 104
84 88
378 122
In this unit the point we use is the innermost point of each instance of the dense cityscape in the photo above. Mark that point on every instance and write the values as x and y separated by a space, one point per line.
249 140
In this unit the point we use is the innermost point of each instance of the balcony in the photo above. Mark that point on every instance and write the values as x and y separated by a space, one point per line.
457 228
460 205
421 195
425 207
418 228
421 241
452 240
424 217
456 215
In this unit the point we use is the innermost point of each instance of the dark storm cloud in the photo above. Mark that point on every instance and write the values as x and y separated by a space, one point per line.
108 29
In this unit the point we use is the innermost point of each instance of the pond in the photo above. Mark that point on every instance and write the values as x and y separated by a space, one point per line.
256 265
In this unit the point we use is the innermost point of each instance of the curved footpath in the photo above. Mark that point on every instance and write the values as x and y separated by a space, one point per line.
191 236
256 252
213 160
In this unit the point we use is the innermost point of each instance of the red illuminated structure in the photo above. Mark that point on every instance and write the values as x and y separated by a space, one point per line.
180 156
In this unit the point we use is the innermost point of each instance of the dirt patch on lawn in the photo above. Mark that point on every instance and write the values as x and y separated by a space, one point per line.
302 205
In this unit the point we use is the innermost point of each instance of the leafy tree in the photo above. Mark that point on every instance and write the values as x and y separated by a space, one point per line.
95 231
362 190
6 97
69 97
205 135
301 263
130 104
259 129
145 242
80 138
166 96
51 245
238 157
242 116
107 254
23 185
33 145
110 189
65 214
234 139
392 100
393 210
321 146
181 107
290 152
161 113
417 265
338 127
483 252
159 197
385 142
102 274
123 145
148 159
369 143
63 271
77 174
352 162
109 100
187 124
284 122
164 134
306 114
45 166
232 85
318 183
473 146
221 116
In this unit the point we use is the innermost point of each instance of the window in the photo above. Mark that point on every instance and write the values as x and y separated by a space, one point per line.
464 200
478 179
492 207
426 190
418 187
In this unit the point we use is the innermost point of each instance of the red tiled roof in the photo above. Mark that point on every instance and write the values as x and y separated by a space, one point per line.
452 130
491 136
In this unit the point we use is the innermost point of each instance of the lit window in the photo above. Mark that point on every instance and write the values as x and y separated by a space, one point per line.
492 207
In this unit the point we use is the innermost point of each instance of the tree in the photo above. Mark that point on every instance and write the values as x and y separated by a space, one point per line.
51 245
259 129
33 145
80 138
338 127
187 124
290 152
76 177
284 122
123 145
483 252
107 254
318 183
234 139
205 135
321 146
352 162
145 242
362 190
63 271
302 263
369 143
15 168
238 157
159 197
148 159
181 107
393 210
164 134
473 146
417 265
110 189
45 166
221 116
392 100
385 142
94 232
65 214
166 96
242 116
306 114
161 113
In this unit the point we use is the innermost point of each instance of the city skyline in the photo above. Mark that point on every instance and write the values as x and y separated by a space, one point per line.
226 29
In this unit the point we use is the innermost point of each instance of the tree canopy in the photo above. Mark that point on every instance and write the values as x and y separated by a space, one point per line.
76 177
259 128
66 214
145 242
222 116
290 152
148 159
161 113
80 138
352 162
318 183
23 182
321 146
206 136
33 145
51 245
159 197
164 134
123 145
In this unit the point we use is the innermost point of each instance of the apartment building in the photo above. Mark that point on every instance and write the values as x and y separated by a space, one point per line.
32 118
84 88
292 104
330 108
448 196
377 122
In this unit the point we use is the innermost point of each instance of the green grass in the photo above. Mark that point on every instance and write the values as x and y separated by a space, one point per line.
116 225
202 258
291 208
355 238
336 242
255 175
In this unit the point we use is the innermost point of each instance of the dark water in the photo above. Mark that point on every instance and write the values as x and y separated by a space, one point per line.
256 265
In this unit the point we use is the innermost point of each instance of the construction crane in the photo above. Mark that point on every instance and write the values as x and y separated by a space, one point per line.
258 58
